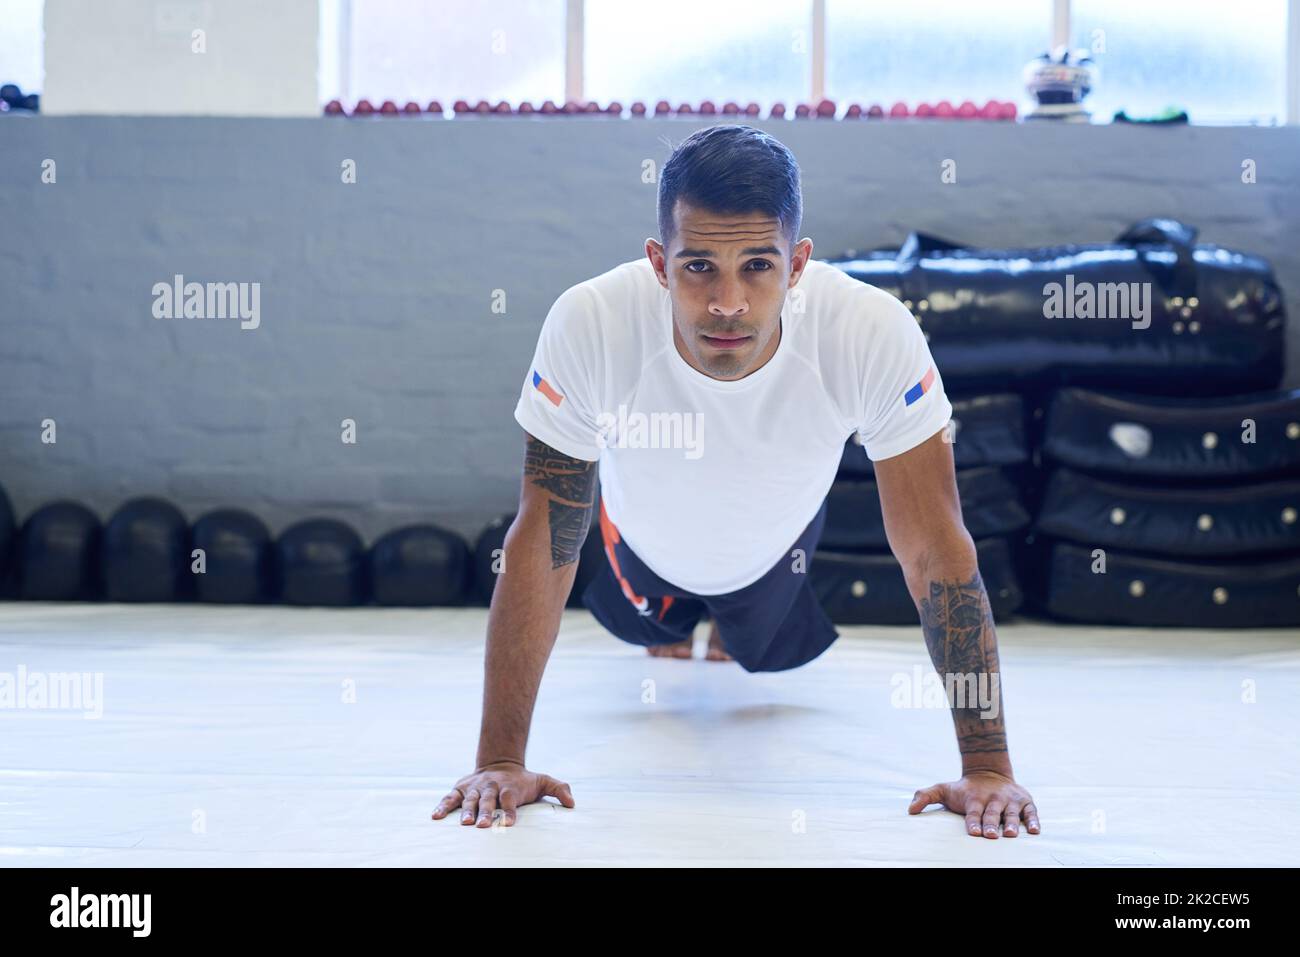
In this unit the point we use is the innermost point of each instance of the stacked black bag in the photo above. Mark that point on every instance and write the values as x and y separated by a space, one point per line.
1159 446
1163 511
855 575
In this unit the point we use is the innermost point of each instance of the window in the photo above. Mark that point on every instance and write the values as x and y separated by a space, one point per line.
330 83
488 49
931 50
22 39
1222 62
689 51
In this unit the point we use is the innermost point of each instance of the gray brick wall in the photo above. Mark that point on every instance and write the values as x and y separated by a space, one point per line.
376 297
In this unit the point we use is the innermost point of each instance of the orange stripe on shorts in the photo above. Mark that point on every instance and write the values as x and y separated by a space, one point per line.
609 534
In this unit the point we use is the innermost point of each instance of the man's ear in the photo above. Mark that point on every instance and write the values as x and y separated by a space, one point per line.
799 259
654 251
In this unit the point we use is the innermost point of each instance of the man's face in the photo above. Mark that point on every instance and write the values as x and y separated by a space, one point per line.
727 276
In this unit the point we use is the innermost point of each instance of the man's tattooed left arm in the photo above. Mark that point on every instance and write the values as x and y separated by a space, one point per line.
959 634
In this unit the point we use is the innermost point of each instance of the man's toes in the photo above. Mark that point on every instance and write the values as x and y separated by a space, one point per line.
679 649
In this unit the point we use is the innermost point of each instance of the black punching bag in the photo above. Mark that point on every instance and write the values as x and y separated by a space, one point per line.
419 565
322 562
239 560
58 558
146 553
7 537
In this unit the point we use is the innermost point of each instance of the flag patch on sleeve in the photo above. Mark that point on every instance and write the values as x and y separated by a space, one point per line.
921 388
544 387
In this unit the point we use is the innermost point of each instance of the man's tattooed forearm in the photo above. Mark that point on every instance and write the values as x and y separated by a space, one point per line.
568 532
959 633
955 618
572 485
986 742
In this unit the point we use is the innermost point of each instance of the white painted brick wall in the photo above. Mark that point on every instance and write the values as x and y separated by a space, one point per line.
375 296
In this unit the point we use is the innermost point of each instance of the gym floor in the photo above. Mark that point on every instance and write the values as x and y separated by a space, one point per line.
299 737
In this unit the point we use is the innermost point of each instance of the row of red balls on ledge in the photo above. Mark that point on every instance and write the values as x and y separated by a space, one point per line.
967 110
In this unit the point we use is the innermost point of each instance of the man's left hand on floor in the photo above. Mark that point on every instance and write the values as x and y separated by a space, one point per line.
993 803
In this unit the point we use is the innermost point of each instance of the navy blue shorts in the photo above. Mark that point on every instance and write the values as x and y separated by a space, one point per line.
773 624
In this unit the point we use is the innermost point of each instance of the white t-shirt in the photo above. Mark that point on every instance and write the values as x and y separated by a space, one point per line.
711 482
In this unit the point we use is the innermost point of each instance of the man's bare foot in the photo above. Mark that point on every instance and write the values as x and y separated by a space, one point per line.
717 652
678 649
683 649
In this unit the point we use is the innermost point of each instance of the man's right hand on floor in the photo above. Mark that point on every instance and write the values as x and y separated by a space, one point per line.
504 785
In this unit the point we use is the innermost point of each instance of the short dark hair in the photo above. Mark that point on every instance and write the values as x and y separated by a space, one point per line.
732 169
